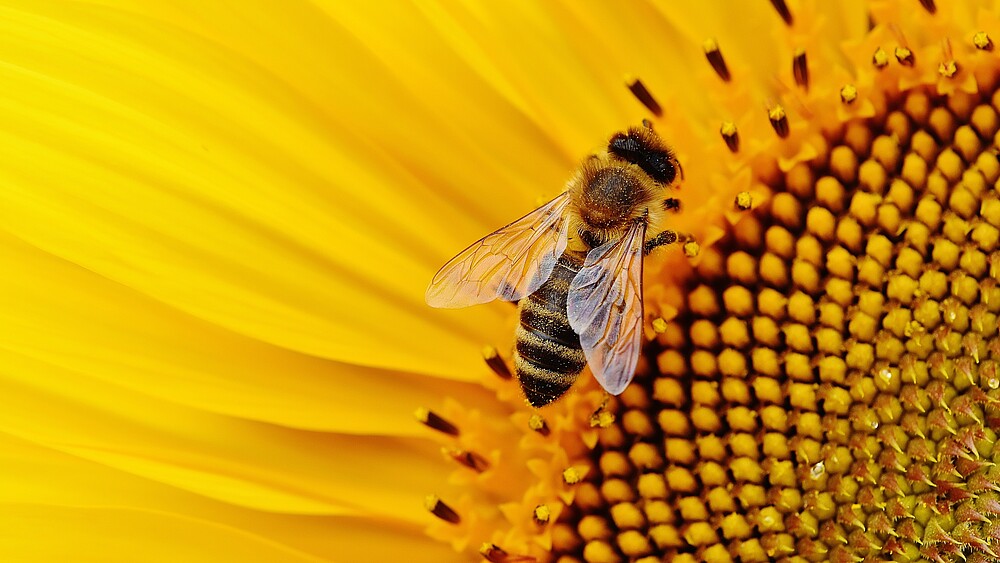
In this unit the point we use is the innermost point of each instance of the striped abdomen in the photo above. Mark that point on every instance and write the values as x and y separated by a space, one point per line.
548 356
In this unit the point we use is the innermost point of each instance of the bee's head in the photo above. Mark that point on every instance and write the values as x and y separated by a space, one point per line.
643 147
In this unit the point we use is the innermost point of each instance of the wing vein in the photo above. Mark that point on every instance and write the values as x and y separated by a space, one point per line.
605 308
508 264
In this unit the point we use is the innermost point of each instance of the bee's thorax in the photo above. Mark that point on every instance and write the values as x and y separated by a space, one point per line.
609 197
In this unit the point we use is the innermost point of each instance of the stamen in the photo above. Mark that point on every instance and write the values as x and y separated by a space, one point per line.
493 554
782 9
848 94
572 476
880 59
691 249
602 418
496 363
904 56
948 68
714 56
472 460
538 424
744 200
432 420
929 5
541 514
779 120
982 41
800 68
730 135
438 508
642 94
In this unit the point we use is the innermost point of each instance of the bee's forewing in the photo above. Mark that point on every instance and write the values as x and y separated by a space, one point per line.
508 264
605 309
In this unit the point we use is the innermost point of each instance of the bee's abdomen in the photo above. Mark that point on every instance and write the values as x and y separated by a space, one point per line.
548 356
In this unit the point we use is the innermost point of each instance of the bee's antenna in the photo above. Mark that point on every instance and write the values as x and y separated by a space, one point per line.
647 124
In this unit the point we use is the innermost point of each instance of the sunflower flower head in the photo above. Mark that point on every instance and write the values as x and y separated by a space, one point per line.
821 381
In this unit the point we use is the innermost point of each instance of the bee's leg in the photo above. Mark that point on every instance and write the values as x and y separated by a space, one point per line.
672 204
666 237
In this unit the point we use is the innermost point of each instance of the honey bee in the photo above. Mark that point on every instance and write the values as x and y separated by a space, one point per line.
575 267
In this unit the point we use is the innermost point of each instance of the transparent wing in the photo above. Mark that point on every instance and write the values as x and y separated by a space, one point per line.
508 264
605 308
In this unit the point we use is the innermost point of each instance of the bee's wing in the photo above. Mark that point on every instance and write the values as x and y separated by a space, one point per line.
508 264
605 308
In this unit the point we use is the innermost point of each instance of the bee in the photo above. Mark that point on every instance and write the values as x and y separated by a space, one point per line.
574 265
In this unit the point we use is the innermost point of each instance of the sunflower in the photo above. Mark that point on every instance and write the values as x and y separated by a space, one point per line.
218 220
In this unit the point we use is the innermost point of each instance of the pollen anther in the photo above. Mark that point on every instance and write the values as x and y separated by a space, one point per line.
433 420
848 94
904 56
730 135
602 419
538 424
541 515
438 508
782 8
879 58
691 249
714 56
642 94
572 476
948 68
472 460
982 41
800 68
779 120
494 554
744 200
495 362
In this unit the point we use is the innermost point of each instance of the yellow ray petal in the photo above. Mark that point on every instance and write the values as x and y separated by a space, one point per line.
242 462
32 475
109 332
117 534
226 191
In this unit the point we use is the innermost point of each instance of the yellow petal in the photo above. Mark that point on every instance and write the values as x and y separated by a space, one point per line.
118 534
136 139
32 475
114 334
237 461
